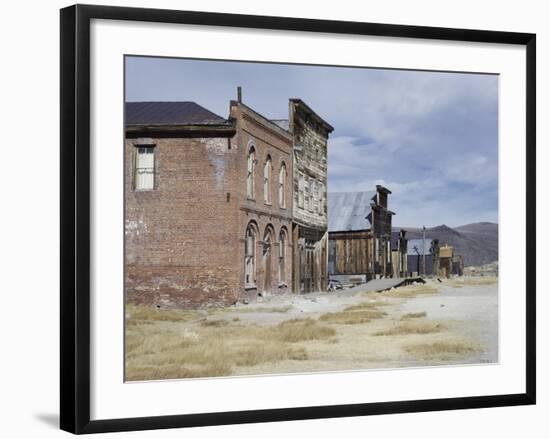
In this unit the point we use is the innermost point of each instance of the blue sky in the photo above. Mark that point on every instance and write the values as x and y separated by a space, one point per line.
430 137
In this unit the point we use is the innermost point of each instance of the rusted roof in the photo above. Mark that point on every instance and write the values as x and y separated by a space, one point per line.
349 210
170 113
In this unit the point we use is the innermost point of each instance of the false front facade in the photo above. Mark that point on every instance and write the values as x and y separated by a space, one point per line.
309 230
360 236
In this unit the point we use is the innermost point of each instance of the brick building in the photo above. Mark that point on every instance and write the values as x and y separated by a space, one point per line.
208 205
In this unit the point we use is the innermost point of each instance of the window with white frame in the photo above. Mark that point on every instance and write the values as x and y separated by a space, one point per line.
282 186
144 172
250 173
267 180
250 256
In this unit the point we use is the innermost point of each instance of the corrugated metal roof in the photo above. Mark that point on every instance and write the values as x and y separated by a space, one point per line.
349 210
170 113
413 244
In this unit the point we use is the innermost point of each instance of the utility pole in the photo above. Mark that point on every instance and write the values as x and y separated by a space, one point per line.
424 250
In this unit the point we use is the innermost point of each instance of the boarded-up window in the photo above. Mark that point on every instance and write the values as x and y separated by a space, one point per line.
250 256
144 175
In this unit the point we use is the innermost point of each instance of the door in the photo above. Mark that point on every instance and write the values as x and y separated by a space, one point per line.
267 263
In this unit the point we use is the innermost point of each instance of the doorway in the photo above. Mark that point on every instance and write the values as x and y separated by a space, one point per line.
266 259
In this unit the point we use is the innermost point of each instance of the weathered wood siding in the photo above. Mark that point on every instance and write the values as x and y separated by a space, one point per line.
310 256
350 253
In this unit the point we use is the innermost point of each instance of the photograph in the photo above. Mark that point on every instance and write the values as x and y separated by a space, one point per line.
296 218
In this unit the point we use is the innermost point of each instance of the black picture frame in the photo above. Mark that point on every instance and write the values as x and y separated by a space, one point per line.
75 218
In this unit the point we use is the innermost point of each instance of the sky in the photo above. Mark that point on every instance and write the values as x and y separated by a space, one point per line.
429 137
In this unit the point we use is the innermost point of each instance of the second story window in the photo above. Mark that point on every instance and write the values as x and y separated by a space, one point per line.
301 190
313 190
321 198
267 180
144 171
307 194
250 173
282 186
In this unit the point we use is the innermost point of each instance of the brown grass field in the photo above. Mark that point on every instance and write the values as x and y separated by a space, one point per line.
365 331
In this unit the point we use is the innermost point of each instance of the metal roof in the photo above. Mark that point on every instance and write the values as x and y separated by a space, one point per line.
170 113
349 210
413 244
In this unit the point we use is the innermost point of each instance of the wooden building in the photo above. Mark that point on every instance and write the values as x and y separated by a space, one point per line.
451 263
360 235
309 220
399 245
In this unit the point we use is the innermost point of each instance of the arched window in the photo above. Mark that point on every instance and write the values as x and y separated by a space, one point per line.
250 173
282 186
250 256
282 256
267 180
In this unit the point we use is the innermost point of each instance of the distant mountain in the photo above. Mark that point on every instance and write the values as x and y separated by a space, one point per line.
477 242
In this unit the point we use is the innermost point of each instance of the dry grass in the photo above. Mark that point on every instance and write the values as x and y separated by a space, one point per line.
214 323
352 317
273 309
371 295
413 315
475 280
364 305
167 349
137 314
299 330
412 327
412 291
442 350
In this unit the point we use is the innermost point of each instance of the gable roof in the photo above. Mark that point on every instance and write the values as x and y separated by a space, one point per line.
349 210
170 113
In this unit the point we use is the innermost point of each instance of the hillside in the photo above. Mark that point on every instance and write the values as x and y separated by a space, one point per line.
477 242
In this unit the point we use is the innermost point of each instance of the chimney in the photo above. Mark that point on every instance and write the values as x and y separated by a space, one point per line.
239 94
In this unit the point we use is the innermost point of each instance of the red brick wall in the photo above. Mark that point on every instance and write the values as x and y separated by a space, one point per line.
267 139
184 240
180 237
